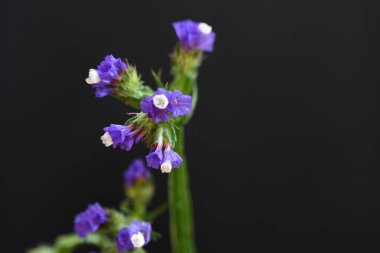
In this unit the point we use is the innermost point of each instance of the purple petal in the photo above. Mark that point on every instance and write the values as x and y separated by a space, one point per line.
154 159
180 104
170 155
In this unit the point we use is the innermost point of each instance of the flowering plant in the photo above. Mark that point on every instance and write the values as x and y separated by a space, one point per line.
159 125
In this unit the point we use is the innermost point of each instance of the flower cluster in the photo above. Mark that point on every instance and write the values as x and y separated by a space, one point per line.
146 126
195 36
136 172
163 103
89 220
108 74
135 236
156 126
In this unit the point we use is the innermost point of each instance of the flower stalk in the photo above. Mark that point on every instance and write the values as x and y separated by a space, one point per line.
185 66
180 204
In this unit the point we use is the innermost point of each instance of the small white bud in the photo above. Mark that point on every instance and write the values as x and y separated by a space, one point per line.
93 77
138 240
166 166
160 101
205 28
106 139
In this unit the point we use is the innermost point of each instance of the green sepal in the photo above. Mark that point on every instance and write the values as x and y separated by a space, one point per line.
185 66
141 120
142 191
130 90
169 133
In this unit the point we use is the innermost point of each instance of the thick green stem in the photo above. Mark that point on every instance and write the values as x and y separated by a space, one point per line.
185 66
180 204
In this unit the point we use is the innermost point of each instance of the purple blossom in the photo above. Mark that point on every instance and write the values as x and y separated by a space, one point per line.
173 157
120 135
89 221
171 160
136 235
163 103
194 35
117 133
136 172
154 158
180 104
165 161
156 106
108 73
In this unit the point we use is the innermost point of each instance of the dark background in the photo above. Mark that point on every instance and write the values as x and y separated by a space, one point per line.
284 148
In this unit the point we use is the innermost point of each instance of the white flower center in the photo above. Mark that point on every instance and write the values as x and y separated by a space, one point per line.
106 139
160 101
138 240
93 77
205 28
166 167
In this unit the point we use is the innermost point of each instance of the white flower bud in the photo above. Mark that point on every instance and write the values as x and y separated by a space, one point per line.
166 166
205 28
138 240
160 101
93 77
106 139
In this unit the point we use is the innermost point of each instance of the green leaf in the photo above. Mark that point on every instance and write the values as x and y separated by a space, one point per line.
157 78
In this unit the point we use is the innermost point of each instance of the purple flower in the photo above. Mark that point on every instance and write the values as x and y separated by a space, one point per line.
180 104
114 135
165 161
136 172
89 221
109 72
124 136
136 235
194 35
154 158
156 106
171 160
163 102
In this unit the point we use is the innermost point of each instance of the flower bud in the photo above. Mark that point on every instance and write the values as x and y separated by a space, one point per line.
138 182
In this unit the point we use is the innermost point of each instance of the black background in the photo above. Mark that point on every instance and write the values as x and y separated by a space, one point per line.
284 146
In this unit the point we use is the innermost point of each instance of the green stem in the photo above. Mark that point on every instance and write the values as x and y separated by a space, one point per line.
180 204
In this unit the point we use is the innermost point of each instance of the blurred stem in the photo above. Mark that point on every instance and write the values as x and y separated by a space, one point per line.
180 204
157 212
139 209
